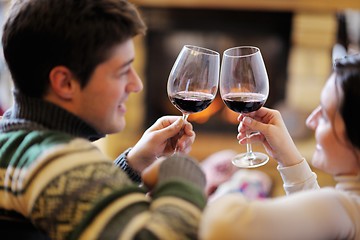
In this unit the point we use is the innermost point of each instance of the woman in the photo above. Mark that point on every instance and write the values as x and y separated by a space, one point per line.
307 212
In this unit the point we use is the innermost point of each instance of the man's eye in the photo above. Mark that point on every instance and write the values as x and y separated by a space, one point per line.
123 73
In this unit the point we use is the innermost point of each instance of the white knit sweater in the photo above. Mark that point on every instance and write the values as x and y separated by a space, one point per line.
306 213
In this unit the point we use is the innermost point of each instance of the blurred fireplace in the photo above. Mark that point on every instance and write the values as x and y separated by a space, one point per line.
171 28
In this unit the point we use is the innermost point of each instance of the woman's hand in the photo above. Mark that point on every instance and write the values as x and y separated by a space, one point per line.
161 139
272 133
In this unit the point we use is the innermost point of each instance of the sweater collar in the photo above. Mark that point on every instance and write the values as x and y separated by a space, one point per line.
37 114
349 183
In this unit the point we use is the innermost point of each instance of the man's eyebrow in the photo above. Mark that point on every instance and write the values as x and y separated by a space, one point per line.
127 63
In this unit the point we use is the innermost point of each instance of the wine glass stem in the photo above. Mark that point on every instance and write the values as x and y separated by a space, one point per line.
185 117
249 152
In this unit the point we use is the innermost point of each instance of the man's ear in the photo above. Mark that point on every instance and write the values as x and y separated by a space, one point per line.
62 82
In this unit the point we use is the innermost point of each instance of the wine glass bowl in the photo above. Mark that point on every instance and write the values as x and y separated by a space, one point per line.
193 80
244 88
191 102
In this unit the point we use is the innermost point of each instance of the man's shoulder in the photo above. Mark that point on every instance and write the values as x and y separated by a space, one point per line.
25 138
27 146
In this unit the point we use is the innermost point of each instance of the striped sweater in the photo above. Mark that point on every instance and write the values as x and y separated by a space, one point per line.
54 183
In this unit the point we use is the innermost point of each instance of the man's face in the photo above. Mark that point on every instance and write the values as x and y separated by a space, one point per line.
101 103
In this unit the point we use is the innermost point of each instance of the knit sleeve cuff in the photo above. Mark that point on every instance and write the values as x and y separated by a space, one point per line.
296 174
121 162
182 167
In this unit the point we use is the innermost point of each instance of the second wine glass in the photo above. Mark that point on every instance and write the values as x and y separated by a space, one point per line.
193 81
244 88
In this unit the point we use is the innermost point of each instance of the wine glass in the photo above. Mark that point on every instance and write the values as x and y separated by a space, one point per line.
244 88
193 81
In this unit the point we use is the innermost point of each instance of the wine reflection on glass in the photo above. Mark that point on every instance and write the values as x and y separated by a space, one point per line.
244 88
193 81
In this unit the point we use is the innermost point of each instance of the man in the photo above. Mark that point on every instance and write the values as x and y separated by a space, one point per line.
71 63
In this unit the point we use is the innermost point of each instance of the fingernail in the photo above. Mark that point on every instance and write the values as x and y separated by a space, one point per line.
247 120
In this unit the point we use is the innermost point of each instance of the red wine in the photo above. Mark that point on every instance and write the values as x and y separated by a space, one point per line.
244 102
191 102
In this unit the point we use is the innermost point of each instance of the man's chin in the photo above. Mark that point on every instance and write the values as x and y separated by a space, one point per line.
121 125
116 127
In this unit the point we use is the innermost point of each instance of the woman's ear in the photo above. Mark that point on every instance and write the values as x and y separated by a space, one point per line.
62 82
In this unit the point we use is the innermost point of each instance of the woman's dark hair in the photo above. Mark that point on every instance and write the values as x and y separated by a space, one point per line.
79 34
347 72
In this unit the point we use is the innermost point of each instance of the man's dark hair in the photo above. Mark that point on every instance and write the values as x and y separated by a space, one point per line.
78 34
